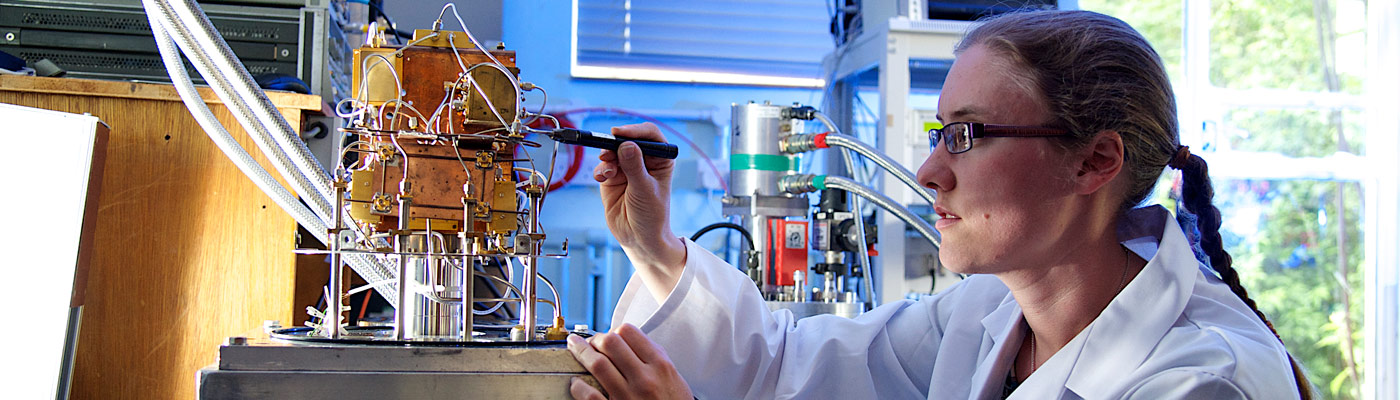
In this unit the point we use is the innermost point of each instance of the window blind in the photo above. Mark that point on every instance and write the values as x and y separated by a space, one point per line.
760 38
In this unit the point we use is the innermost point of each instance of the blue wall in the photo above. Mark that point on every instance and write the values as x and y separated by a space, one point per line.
591 279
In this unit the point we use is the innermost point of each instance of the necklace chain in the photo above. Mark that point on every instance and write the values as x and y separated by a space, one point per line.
1122 283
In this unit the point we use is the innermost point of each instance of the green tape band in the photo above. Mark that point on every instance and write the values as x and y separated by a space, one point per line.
819 182
762 162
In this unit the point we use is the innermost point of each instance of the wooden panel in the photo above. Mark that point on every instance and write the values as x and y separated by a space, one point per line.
188 250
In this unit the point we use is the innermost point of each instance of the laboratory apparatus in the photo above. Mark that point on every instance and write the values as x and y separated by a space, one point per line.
429 202
767 196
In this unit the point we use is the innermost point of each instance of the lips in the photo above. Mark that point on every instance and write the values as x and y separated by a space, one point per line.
945 218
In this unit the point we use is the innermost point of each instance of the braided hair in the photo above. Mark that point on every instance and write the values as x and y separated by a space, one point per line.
1099 74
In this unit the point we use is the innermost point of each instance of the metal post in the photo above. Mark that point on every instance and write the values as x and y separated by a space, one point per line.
527 286
336 290
470 248
404 312
468 288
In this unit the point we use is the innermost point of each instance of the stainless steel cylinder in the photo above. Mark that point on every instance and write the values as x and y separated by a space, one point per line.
756 160
436 318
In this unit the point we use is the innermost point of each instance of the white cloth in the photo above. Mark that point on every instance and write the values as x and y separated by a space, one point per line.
1173 332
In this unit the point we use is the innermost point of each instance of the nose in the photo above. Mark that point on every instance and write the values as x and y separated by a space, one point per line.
935 173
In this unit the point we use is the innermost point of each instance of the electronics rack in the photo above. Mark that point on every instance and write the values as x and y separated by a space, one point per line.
111 39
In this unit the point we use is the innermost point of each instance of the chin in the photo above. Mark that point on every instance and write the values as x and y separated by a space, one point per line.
953 261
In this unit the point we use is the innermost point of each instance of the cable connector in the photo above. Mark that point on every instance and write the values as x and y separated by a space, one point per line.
802 143
806 113
557 331
802 183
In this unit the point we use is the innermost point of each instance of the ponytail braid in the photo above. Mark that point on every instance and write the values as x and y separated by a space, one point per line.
1197 194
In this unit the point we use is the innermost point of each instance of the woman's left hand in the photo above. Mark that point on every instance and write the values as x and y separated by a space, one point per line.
628 365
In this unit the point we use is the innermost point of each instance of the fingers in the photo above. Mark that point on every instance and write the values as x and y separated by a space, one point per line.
581 390
597 364
604 170
620 352
644 131
630 159
646 350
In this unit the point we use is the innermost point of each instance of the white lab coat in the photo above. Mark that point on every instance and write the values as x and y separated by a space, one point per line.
1173 332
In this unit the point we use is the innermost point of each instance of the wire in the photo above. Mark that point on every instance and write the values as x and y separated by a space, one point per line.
705 157
748 237
557 312
533 174
543 101
363 306
489 105
575 152
495 62
377 10
489 286
437 24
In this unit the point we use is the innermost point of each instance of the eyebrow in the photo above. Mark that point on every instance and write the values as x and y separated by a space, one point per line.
960 113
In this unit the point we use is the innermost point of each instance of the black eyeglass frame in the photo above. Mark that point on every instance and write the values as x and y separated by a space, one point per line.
972 130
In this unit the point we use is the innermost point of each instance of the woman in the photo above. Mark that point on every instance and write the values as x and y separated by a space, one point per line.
1074 293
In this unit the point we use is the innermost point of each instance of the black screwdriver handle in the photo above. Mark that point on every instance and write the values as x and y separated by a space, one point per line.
599 140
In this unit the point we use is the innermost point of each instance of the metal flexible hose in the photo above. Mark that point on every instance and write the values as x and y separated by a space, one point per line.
804 183
805 143
888 204
214 60
235 152
864 256
194 34
883 161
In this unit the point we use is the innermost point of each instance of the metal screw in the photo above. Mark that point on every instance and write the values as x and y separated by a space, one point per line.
9 36
286 52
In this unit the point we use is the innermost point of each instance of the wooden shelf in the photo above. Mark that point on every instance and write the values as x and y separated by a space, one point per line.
187 250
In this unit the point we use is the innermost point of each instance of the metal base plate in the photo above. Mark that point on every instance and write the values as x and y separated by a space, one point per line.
272 368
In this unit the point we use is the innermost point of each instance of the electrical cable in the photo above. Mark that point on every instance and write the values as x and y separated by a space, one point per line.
863 254
576 153
747 237
377 11
704 157
364 306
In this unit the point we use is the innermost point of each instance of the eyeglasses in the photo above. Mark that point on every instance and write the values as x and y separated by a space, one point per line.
957 136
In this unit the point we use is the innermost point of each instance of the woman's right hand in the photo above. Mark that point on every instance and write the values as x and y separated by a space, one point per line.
636 193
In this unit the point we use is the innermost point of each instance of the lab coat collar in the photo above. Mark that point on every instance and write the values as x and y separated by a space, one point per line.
1004 325
1121 338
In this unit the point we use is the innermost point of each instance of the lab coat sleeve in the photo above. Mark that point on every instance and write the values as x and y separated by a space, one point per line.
727 344
1185 383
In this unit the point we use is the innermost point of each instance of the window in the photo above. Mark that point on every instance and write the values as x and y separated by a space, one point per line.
761 42
1270 96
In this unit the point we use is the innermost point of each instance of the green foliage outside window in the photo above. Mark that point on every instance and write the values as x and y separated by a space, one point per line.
1298 244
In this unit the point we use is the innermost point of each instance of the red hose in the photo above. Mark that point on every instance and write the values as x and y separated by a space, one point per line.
575 154
662 125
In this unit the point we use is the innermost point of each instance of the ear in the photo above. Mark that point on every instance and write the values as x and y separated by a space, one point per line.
1100 162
